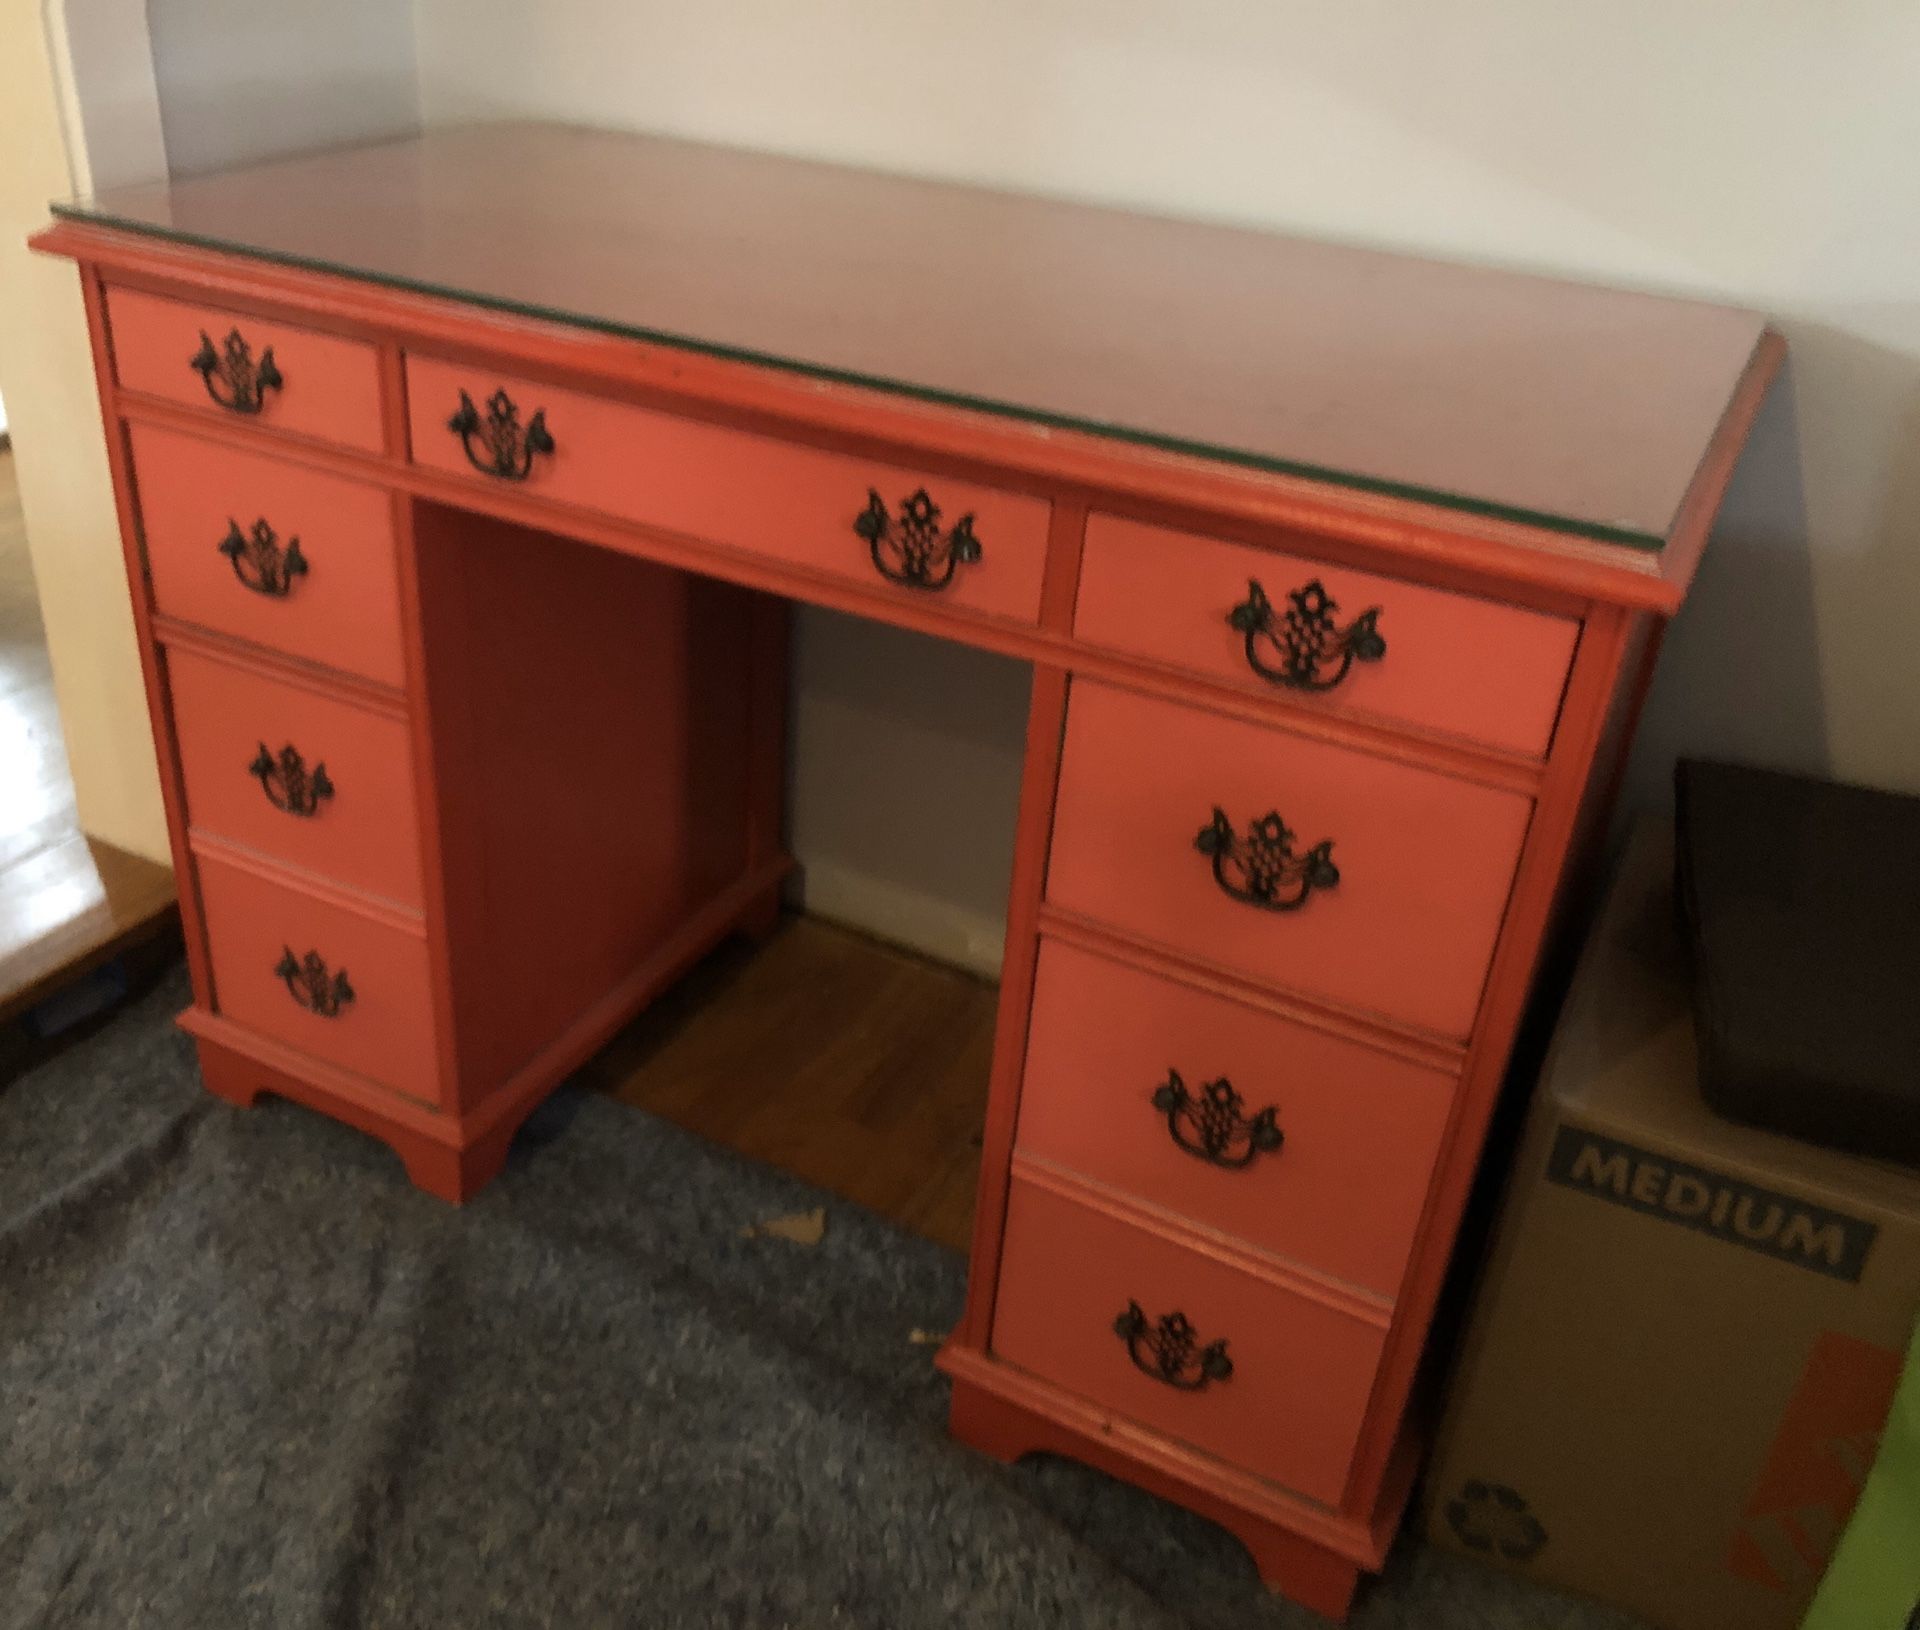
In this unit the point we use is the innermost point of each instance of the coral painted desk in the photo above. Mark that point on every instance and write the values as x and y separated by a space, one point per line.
465 483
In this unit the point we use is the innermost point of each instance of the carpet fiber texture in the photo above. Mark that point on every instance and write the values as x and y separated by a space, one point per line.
249 1377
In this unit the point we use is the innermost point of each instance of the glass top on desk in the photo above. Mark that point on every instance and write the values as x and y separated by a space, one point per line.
1582 409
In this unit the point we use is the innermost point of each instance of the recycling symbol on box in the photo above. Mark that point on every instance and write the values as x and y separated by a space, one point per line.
1491 1517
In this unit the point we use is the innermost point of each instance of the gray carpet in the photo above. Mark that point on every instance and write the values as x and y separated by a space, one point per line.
249 1377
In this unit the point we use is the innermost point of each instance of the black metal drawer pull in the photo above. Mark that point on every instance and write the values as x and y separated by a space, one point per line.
1168 1350
287 782
1314 652
497 445
244 381
309 983
913 550
1262 868
1213 1125
259 561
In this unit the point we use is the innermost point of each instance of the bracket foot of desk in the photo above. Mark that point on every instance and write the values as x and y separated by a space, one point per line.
1007 1414
456 1175
432 1163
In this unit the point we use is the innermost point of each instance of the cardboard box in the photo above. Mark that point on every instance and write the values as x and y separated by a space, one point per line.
1684 1348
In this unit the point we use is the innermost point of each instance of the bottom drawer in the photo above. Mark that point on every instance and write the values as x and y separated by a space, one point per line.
1301 1368
364 1002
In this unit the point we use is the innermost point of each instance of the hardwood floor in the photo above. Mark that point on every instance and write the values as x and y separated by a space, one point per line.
67 901
851 1064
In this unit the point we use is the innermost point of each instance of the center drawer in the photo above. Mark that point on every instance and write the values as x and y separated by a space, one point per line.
880 525
1205 834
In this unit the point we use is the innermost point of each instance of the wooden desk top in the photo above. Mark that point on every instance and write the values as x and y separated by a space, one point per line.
1583 410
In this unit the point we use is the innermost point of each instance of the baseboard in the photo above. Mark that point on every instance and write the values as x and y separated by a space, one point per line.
937 928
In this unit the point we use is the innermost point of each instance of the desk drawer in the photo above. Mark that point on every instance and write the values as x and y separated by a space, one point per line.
1442 662
1424 862
298 775
1118 1074
280 955
1302 1367
967 546
247 369
270 552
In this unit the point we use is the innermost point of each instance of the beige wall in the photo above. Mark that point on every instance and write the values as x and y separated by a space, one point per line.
46 375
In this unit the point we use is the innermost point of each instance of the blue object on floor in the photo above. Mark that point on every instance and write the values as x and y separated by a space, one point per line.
87 997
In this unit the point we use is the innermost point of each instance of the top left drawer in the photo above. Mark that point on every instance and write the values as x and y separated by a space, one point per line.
245 368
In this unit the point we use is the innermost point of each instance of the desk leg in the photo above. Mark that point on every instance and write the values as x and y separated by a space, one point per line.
456 1175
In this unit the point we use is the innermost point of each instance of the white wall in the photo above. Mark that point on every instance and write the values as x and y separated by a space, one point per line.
1762 151
241 80
903 778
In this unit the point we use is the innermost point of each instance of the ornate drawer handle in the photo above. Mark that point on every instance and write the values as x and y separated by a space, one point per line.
246 381
1213 1125
1314 653
1168 1350
259 561
505 449
1262 868
913 550
309 983
286 782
